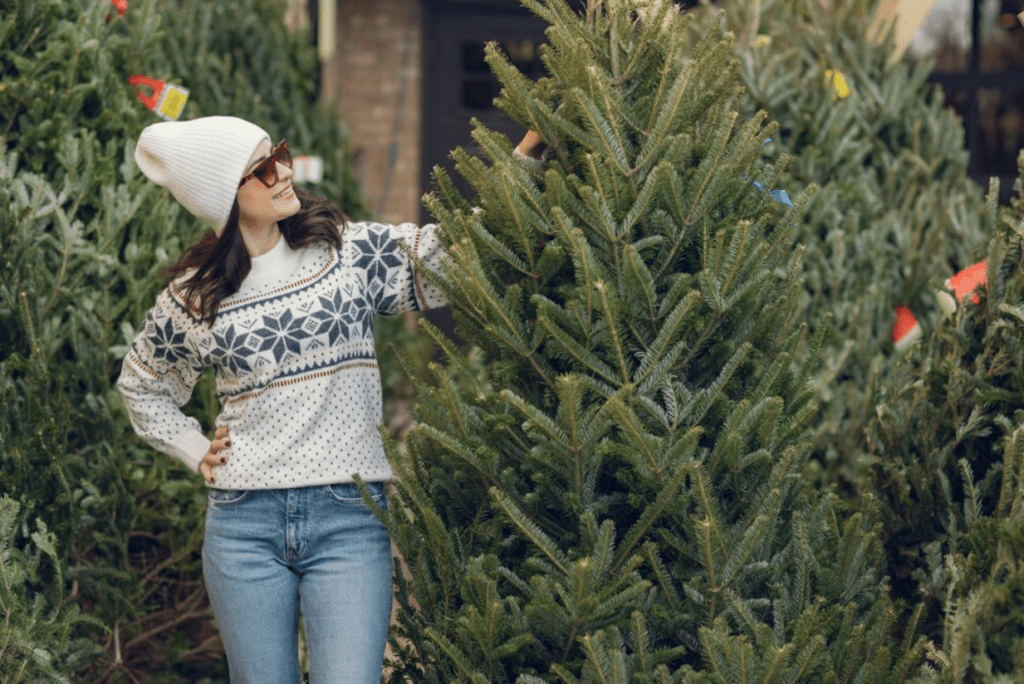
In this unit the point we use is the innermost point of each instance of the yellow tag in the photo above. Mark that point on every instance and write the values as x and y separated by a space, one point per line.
763 41
172 102
840 89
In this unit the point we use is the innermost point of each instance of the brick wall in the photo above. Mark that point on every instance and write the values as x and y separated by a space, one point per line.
374 77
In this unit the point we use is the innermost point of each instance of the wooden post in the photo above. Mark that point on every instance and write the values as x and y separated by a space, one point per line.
325 43
908 15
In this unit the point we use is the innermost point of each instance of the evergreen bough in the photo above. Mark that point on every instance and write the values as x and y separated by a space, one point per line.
946 460
896 213
609 486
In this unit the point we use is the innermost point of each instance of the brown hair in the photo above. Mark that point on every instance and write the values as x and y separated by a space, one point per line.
222 263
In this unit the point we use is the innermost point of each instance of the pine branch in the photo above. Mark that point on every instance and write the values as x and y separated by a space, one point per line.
531 530
585 358
660 359
698 406
603 130
652 513
457 656
645 454
664 581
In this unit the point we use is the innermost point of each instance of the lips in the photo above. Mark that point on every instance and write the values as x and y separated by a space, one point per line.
284 192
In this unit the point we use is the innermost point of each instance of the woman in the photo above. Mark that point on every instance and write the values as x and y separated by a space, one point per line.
279 297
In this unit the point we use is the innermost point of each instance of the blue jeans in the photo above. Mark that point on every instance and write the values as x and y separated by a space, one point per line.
269 553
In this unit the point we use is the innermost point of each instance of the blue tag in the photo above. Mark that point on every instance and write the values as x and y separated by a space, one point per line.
780 196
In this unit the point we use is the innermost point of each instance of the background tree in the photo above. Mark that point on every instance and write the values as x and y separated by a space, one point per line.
96 523
947 463
609 486
896 213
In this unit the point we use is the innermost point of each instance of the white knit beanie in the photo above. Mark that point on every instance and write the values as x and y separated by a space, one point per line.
200 161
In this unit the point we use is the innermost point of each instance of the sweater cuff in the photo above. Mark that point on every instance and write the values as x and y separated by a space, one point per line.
190 446
530 162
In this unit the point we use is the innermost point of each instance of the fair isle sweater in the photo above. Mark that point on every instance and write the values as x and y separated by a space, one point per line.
294 356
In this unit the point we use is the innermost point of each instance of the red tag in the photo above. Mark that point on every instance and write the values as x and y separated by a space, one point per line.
167 100
966 281
140 82
906 330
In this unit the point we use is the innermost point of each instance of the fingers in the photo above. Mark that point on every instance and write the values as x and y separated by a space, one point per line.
532 145
531 138
206 466
212 458
221 439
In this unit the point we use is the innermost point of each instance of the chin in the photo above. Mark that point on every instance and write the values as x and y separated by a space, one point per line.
292 207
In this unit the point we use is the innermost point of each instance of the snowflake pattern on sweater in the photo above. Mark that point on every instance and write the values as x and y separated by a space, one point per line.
294 356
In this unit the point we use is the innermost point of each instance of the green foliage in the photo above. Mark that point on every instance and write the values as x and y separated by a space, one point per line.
85 240
37 642
946 461
629 435
896 213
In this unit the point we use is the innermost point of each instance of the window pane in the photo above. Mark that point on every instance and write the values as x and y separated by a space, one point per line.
473 58
1002 130
1002 36
479 94
522 53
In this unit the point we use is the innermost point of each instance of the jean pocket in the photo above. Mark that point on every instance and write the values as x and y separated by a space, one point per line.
226 497
348 493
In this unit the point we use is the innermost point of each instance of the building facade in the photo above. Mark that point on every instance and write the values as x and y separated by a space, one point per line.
407 77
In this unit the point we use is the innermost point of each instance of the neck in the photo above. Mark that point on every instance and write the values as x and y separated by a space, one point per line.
259 238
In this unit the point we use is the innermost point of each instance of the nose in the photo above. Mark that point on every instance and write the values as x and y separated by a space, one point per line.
284 172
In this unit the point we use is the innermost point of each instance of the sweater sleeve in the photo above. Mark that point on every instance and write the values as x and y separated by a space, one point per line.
394 276
157 378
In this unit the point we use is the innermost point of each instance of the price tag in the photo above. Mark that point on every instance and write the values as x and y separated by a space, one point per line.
840 88
306 168
166 100
963 285
906 330
172 101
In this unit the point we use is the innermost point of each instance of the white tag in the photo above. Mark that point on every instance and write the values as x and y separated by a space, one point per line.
306 168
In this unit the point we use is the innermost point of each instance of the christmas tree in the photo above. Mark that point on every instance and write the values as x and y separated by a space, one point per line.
946 460
609 486
896 213
99 535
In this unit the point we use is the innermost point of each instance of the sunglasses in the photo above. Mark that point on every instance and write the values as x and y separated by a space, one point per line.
266 170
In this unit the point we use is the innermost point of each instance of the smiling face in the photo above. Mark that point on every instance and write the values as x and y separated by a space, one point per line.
259 205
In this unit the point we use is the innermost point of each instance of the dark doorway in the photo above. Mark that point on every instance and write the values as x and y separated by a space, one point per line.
457 83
